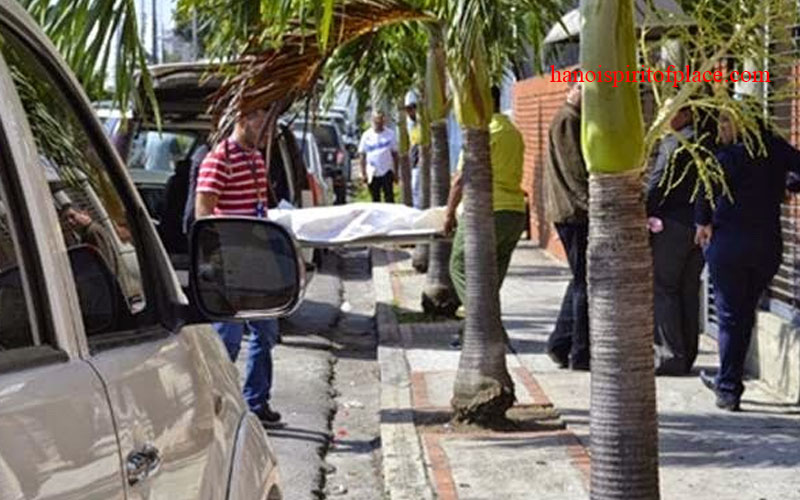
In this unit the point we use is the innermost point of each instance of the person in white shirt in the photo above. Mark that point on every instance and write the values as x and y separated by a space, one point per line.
378 152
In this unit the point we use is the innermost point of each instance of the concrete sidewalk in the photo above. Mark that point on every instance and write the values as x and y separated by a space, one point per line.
705 453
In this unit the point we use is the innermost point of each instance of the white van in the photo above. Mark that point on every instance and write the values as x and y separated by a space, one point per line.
112 383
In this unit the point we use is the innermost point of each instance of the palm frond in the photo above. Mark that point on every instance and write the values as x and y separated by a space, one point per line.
85 31
277 76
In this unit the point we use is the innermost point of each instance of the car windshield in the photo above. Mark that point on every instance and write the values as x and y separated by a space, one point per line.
151 150
325 134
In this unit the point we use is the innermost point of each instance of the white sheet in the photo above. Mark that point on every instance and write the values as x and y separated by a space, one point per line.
358 221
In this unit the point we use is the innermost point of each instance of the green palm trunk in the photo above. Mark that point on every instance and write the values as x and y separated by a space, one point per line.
624 426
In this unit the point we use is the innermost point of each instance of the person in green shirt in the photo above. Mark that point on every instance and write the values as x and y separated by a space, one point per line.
507 155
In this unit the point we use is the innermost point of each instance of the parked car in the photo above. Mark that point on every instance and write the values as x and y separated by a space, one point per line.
112 383
321 186
333 151
346 130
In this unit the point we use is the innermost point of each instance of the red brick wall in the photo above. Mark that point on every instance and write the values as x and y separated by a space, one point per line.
535 102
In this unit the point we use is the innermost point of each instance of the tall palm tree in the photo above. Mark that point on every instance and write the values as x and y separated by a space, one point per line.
439 296
420 257
403 148
624 427
483 390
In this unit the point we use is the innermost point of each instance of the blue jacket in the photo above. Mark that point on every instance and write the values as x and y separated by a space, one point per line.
748 226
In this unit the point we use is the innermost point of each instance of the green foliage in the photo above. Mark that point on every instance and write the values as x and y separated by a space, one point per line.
732 34
84 30
384 64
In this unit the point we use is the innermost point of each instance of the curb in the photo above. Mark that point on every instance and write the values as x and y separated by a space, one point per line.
404 474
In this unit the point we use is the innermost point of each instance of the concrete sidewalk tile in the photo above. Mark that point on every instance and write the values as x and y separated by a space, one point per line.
404 471
528 466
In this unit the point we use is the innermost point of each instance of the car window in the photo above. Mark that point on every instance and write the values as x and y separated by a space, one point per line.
154 150
92 212
15 326
324 134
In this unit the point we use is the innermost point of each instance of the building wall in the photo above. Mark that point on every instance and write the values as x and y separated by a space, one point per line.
535 102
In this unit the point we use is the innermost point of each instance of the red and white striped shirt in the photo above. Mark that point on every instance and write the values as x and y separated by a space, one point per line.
238 176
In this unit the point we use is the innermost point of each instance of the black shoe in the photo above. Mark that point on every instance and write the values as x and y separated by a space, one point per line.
730 403
724 401
579 366
267 416
456 342
708 380
559 359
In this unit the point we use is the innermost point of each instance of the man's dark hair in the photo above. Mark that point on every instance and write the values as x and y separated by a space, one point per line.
496 98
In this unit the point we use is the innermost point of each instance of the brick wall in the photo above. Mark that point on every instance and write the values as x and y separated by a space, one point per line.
535 102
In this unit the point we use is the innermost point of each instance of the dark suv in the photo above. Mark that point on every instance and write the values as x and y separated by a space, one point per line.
333 152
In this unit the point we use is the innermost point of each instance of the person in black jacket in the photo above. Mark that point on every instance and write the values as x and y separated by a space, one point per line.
677 259
741 236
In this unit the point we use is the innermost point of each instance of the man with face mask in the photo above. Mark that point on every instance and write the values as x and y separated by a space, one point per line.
233 181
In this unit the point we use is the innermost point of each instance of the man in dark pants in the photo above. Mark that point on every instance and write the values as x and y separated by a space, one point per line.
677 260
742 240
566 190
378 150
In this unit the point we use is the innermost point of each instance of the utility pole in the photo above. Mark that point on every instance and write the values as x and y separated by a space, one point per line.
195 48
143 21
155 52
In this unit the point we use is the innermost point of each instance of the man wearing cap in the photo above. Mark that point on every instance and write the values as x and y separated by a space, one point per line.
378 152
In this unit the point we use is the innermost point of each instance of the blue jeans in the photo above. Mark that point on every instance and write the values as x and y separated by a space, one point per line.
258 374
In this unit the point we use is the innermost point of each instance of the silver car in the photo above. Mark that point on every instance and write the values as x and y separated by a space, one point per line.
112 383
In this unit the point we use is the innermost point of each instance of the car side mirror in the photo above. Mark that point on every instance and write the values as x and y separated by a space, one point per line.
244 268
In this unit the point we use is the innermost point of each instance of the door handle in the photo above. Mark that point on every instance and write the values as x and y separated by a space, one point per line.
142 463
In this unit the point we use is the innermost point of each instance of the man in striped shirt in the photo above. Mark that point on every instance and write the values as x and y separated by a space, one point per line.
233 181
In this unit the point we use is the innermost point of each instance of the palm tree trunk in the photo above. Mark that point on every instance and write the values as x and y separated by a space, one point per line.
483 389
439 297
624 428
403 147
420 257
624 425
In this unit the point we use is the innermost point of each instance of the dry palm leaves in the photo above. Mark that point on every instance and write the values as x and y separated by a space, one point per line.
275 78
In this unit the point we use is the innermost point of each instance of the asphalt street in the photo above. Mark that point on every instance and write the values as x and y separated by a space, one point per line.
326 386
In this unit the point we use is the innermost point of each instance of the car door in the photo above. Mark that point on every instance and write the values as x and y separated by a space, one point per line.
173 393
57 437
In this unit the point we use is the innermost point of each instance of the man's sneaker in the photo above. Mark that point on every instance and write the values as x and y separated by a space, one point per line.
267 416
724 401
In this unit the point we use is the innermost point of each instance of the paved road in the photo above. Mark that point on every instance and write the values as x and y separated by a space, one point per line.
325 386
